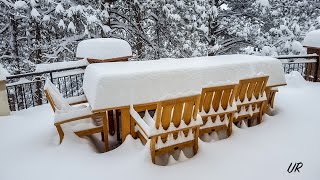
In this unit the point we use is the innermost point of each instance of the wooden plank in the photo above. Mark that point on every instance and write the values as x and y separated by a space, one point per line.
105 131
196 107
243 86
173 148
251 88
258 89
225 98
212 129
207 96
217 99
92 60
88 132
166 116
196 139
177 114
187 114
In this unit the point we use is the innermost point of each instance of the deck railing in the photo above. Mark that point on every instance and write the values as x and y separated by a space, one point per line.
307 65
26 90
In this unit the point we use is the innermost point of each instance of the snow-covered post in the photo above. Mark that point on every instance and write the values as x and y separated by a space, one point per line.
312 43
4 105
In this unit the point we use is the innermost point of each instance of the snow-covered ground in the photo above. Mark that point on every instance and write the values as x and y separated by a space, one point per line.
29 147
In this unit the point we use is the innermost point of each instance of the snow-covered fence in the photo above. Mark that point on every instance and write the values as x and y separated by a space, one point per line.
26 90
307 65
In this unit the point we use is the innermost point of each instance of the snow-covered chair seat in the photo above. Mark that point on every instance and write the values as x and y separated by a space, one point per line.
251 98
174 125
77 100
217 108
78 117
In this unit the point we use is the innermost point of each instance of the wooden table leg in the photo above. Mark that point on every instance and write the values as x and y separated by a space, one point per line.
105 130
118 125
111 122
125 123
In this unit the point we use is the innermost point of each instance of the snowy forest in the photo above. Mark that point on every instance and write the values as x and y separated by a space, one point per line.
46 31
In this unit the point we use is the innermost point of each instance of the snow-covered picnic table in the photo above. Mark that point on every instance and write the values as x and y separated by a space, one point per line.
117 85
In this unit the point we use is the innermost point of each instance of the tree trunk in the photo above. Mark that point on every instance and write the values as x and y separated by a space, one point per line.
38 92
139 40
16 60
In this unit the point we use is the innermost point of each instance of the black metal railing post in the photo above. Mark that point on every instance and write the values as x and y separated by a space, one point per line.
51 77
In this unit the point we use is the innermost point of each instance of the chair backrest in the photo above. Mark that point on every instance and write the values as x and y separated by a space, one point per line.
248 88
216 97
177 110
55 98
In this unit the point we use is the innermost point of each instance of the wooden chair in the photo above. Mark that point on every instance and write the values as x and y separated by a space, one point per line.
271 94
175 124
79 117
217 108
251 98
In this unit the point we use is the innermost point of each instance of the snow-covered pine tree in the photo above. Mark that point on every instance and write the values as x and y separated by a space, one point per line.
39 31
272 27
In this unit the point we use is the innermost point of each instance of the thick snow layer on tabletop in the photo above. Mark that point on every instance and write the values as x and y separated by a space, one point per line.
123 83
60 65
103 48
312 39
30 149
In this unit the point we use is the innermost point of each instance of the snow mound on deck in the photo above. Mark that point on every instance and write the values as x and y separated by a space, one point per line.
312 39
103 48
261 152
295 79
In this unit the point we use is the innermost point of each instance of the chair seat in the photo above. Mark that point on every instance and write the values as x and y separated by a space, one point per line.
83 124
73 112
76 99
